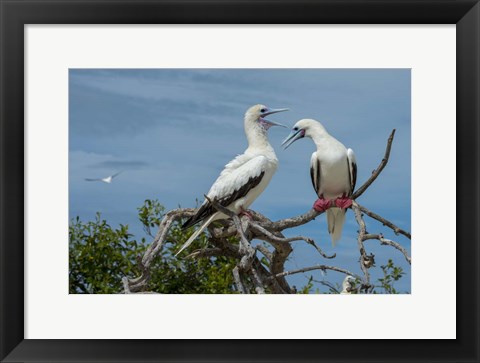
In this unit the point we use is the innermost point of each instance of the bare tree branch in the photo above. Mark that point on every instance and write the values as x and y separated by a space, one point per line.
378 170
257 281
206 252
317 267
139 283
270 237
389 224
328 284
388 242
238 281
365 261
250 274
264 250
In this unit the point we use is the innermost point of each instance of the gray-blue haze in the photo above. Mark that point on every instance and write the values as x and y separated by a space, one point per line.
172 131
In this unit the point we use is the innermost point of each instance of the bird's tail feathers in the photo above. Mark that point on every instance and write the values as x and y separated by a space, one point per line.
335 221
196 234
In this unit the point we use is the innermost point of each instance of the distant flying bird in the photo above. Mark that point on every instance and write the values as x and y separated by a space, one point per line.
107 180
333 169
244 178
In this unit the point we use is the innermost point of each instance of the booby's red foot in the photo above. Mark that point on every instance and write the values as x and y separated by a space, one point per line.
245 212
321 205
343 202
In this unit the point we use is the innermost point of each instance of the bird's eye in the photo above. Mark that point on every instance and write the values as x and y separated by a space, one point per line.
263 110
295 129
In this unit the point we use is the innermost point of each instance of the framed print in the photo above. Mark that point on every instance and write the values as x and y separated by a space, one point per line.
140 78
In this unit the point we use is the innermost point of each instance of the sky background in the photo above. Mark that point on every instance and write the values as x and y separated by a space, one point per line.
172 130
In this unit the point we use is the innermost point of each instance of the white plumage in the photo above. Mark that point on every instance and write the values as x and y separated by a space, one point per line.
333 170
347 285
244 178
107 179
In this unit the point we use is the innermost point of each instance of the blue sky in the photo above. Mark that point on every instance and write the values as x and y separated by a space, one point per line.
173 130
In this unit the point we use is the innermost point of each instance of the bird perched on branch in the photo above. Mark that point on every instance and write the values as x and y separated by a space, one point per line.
244 178
348 285
333 170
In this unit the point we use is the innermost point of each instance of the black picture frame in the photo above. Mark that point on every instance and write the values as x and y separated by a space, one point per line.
15 14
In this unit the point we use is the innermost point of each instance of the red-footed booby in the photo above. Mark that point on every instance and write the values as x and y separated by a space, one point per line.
244 178
333 169
347 285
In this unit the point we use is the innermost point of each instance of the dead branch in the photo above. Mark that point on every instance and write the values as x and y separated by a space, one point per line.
270 237
207 252
378 170
388 242
389 224
366 261
238 280
318 267
257 281
250 274
265 251
140 283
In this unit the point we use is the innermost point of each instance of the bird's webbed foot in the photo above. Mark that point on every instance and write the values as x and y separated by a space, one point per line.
343 202
322 204
245 212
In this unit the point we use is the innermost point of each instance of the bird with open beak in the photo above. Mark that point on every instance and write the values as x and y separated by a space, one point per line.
333 170
244 178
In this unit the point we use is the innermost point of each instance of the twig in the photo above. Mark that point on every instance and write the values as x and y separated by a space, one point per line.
312 242
327 284
378 170
388 242
385 222
318 267
264 250
270 237
207 252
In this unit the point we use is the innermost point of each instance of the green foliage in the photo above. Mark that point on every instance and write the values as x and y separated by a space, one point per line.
307 288
190 276
391 273
100 256
150 215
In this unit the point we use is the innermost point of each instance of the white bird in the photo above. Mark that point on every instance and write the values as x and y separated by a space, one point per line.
107 180
348 285
333 169
244 178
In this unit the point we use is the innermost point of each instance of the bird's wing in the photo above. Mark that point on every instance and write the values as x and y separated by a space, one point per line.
315 172
235 181
87 179
114 175
352 168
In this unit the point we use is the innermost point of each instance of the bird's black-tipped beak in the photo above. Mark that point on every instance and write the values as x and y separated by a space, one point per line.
294 136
